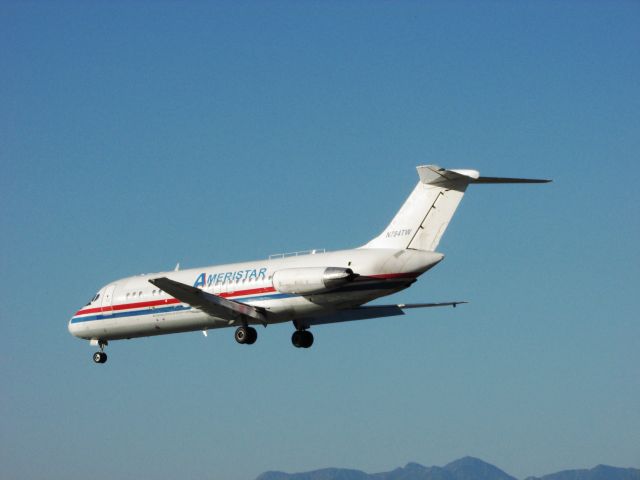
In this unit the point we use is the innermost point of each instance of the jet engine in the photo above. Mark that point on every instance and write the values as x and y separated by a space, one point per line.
309 280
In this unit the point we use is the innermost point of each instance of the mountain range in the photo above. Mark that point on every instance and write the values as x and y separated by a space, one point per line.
467 468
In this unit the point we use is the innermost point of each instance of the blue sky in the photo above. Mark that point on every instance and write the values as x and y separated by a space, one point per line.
133 136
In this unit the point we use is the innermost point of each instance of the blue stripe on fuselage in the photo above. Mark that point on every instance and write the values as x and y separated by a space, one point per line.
148 311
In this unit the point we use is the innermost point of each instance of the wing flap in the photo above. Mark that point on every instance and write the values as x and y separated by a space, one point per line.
212 304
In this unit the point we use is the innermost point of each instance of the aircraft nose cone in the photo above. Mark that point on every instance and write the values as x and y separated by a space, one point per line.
72 327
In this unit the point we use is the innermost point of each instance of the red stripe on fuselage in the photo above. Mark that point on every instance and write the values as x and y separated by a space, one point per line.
171 301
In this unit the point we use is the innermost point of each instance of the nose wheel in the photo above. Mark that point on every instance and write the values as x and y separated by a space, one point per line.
100 357
302 339
246 335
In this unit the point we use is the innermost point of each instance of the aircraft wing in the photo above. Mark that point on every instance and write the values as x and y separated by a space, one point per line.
362 313
212 304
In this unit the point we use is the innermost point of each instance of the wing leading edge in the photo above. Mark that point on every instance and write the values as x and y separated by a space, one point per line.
212 304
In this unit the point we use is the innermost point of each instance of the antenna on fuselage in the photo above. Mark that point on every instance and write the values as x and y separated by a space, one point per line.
177 267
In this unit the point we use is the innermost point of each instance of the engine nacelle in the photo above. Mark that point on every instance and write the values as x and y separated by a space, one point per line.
309 280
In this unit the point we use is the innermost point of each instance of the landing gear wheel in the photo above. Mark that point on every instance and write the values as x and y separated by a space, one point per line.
241 335
246 335
253 336
302 339
100 357
307 339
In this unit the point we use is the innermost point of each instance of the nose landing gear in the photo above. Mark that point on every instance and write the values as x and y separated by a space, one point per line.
100 357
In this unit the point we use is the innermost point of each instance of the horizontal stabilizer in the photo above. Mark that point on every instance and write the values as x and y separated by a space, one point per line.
363 313
509 180
214 305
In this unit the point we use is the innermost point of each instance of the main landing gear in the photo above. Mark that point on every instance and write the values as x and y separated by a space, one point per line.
100 357
302 339
246 335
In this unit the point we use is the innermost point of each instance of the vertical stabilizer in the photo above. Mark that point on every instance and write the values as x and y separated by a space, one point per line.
425 215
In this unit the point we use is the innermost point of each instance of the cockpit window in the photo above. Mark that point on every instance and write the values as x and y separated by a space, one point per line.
95 297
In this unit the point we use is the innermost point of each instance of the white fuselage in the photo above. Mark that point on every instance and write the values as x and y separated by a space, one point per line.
133 307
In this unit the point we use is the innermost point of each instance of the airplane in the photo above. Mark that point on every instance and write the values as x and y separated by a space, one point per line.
307 288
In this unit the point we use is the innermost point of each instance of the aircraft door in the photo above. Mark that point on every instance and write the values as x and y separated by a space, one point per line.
107 300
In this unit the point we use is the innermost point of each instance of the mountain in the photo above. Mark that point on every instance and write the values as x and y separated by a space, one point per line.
467 468
324 474
601 472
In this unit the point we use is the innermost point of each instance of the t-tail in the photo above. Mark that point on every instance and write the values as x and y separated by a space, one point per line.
425 215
